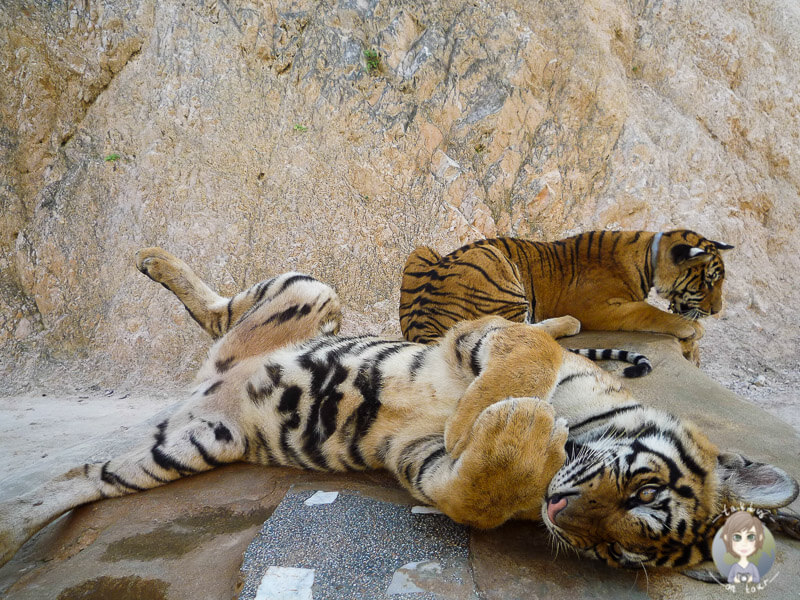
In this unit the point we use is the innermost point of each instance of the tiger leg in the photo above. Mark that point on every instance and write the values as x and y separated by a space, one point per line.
291 309
214 313
515 360
437 293
558 327
204 434
282 310
642 316
515 448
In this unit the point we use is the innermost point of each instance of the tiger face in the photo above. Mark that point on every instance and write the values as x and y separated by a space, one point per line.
689 273
645 490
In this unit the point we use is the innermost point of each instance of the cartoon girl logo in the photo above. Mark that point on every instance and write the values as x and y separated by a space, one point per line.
743 549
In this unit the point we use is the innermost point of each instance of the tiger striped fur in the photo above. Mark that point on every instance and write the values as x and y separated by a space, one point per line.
640 364
494 421
602 278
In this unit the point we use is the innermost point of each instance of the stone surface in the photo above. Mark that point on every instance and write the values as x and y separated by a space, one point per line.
187 539
251 137
363 549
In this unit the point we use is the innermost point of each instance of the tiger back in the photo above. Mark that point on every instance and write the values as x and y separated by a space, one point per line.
601 277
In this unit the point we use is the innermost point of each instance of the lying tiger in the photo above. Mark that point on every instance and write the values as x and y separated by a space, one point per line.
602 278
493 422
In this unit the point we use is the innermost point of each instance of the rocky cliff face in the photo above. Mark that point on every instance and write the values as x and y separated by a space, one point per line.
253 137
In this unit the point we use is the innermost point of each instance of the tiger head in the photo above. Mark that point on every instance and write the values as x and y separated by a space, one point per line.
688 271
647 489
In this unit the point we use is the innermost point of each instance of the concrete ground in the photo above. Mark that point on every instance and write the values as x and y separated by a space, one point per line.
190 539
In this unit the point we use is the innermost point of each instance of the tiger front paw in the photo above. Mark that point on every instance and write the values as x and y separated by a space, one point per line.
560 326
521 434
688 338
690 330
691 351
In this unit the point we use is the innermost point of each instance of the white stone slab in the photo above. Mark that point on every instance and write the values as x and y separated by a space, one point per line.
321 498
286 583
425 510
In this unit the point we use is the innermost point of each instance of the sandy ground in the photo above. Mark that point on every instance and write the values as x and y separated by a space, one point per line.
37 431
762 371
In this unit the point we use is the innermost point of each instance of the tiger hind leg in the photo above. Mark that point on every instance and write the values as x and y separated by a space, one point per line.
436 293
203 435
208 430
214 313
282 310
292 308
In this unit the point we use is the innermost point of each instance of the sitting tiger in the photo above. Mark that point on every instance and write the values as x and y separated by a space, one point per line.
493 422
602 278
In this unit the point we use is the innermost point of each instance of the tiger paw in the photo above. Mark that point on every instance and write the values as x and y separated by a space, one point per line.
690 330
519 433
560 326
691 351
158 264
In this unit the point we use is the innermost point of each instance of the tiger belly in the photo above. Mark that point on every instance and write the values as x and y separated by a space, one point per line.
331 404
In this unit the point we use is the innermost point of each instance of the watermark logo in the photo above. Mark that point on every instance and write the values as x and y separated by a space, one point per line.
744 551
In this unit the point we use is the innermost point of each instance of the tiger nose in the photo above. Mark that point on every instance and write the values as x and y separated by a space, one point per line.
555 505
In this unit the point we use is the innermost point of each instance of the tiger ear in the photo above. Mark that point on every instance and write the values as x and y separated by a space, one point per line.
720 246
685 255
743 481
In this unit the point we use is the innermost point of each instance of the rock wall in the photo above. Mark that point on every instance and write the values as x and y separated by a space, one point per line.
253 137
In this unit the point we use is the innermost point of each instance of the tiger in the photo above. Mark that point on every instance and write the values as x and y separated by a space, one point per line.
602 278
494 421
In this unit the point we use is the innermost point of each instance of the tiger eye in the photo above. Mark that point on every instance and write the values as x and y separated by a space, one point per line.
647 493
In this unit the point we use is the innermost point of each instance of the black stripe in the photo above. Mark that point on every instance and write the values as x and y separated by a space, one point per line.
114 479
292 457
605 416
687 460
325 395
684 557
222 433
262 289
212 388
428 462
572 376
408 455
416 363
258 395
204 454
473 356
369 383
166 462
287 314
160 434
223 365
265 446
290 398
292 280
153 476
274 372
